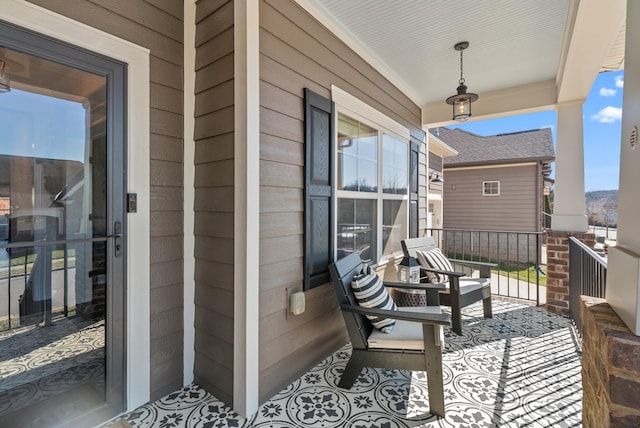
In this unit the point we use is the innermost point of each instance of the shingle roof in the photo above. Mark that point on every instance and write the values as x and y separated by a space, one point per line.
502 148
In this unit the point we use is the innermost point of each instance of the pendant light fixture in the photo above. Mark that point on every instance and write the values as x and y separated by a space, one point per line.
4 77
461 102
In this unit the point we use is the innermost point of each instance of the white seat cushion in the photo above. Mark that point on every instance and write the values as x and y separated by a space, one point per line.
405 334
468 285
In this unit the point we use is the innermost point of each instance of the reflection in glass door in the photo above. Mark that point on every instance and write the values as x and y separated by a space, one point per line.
60 353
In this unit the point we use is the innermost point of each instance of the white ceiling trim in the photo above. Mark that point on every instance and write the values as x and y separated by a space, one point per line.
528 98
493 166
322 16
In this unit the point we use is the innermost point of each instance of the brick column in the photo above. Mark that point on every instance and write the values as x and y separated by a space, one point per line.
558 268
610 368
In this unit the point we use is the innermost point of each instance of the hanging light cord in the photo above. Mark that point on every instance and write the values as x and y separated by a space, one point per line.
461 81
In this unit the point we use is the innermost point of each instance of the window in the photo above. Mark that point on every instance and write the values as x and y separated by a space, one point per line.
372 189
490 188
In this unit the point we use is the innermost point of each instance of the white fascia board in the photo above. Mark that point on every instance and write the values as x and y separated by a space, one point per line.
522 99
439 147
49 23
506 165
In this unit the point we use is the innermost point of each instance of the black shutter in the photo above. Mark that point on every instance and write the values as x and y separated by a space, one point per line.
318 188
414 206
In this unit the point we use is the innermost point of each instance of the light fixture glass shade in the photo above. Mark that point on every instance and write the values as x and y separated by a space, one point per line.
5 84
462 103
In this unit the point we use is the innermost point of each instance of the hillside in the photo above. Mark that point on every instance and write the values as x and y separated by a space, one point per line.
602 207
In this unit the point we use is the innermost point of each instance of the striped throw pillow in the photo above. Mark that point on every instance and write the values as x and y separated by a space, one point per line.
370 292
434 259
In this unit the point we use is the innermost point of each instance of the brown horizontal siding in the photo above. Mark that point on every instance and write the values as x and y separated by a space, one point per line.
514 209
302 33
214 196
216 148
215 98
296 52
280 224
166 148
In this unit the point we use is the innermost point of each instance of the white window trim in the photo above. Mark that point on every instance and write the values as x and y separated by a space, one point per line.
351 106
484 193
49 23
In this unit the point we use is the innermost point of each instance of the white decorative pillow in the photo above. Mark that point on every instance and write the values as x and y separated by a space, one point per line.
434 259
370 292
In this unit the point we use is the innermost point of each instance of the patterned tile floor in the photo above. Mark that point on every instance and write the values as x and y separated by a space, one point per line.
519 369
38 363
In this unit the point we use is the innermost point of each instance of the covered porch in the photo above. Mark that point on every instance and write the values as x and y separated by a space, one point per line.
519 369
216 121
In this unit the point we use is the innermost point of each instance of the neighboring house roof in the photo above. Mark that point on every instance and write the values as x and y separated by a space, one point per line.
439 147
475 149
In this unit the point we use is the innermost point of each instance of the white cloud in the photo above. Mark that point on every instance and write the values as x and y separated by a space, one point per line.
607 92
608 114
619 81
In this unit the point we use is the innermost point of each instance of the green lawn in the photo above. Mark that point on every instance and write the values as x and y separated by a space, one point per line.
522 271
527 274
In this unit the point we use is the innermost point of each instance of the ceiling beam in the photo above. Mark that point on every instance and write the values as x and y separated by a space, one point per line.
528 98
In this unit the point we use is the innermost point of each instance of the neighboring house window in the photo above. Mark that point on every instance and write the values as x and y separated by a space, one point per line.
372 189
490 188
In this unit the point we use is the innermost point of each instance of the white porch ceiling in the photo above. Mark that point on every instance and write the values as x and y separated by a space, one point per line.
548 51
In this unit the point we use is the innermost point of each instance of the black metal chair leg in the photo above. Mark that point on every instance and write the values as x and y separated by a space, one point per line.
351 373
433 357
488 312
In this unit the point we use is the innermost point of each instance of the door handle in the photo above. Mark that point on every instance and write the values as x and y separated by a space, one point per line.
117 238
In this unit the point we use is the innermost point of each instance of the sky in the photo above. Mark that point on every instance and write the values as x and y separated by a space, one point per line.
602 114
41 126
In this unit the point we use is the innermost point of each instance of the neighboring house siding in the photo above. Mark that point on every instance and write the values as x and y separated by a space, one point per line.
214 189
435 162
515 209
158 26
297 52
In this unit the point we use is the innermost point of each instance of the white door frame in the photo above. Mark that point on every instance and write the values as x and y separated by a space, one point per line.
51 24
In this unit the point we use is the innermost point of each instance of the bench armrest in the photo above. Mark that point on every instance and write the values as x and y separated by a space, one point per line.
424 318
443 272
483 267
415 286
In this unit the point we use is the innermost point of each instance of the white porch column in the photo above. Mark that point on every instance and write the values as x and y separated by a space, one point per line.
623 273
569 202
246 207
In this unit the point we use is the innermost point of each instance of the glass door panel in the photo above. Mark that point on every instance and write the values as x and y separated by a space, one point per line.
54 265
